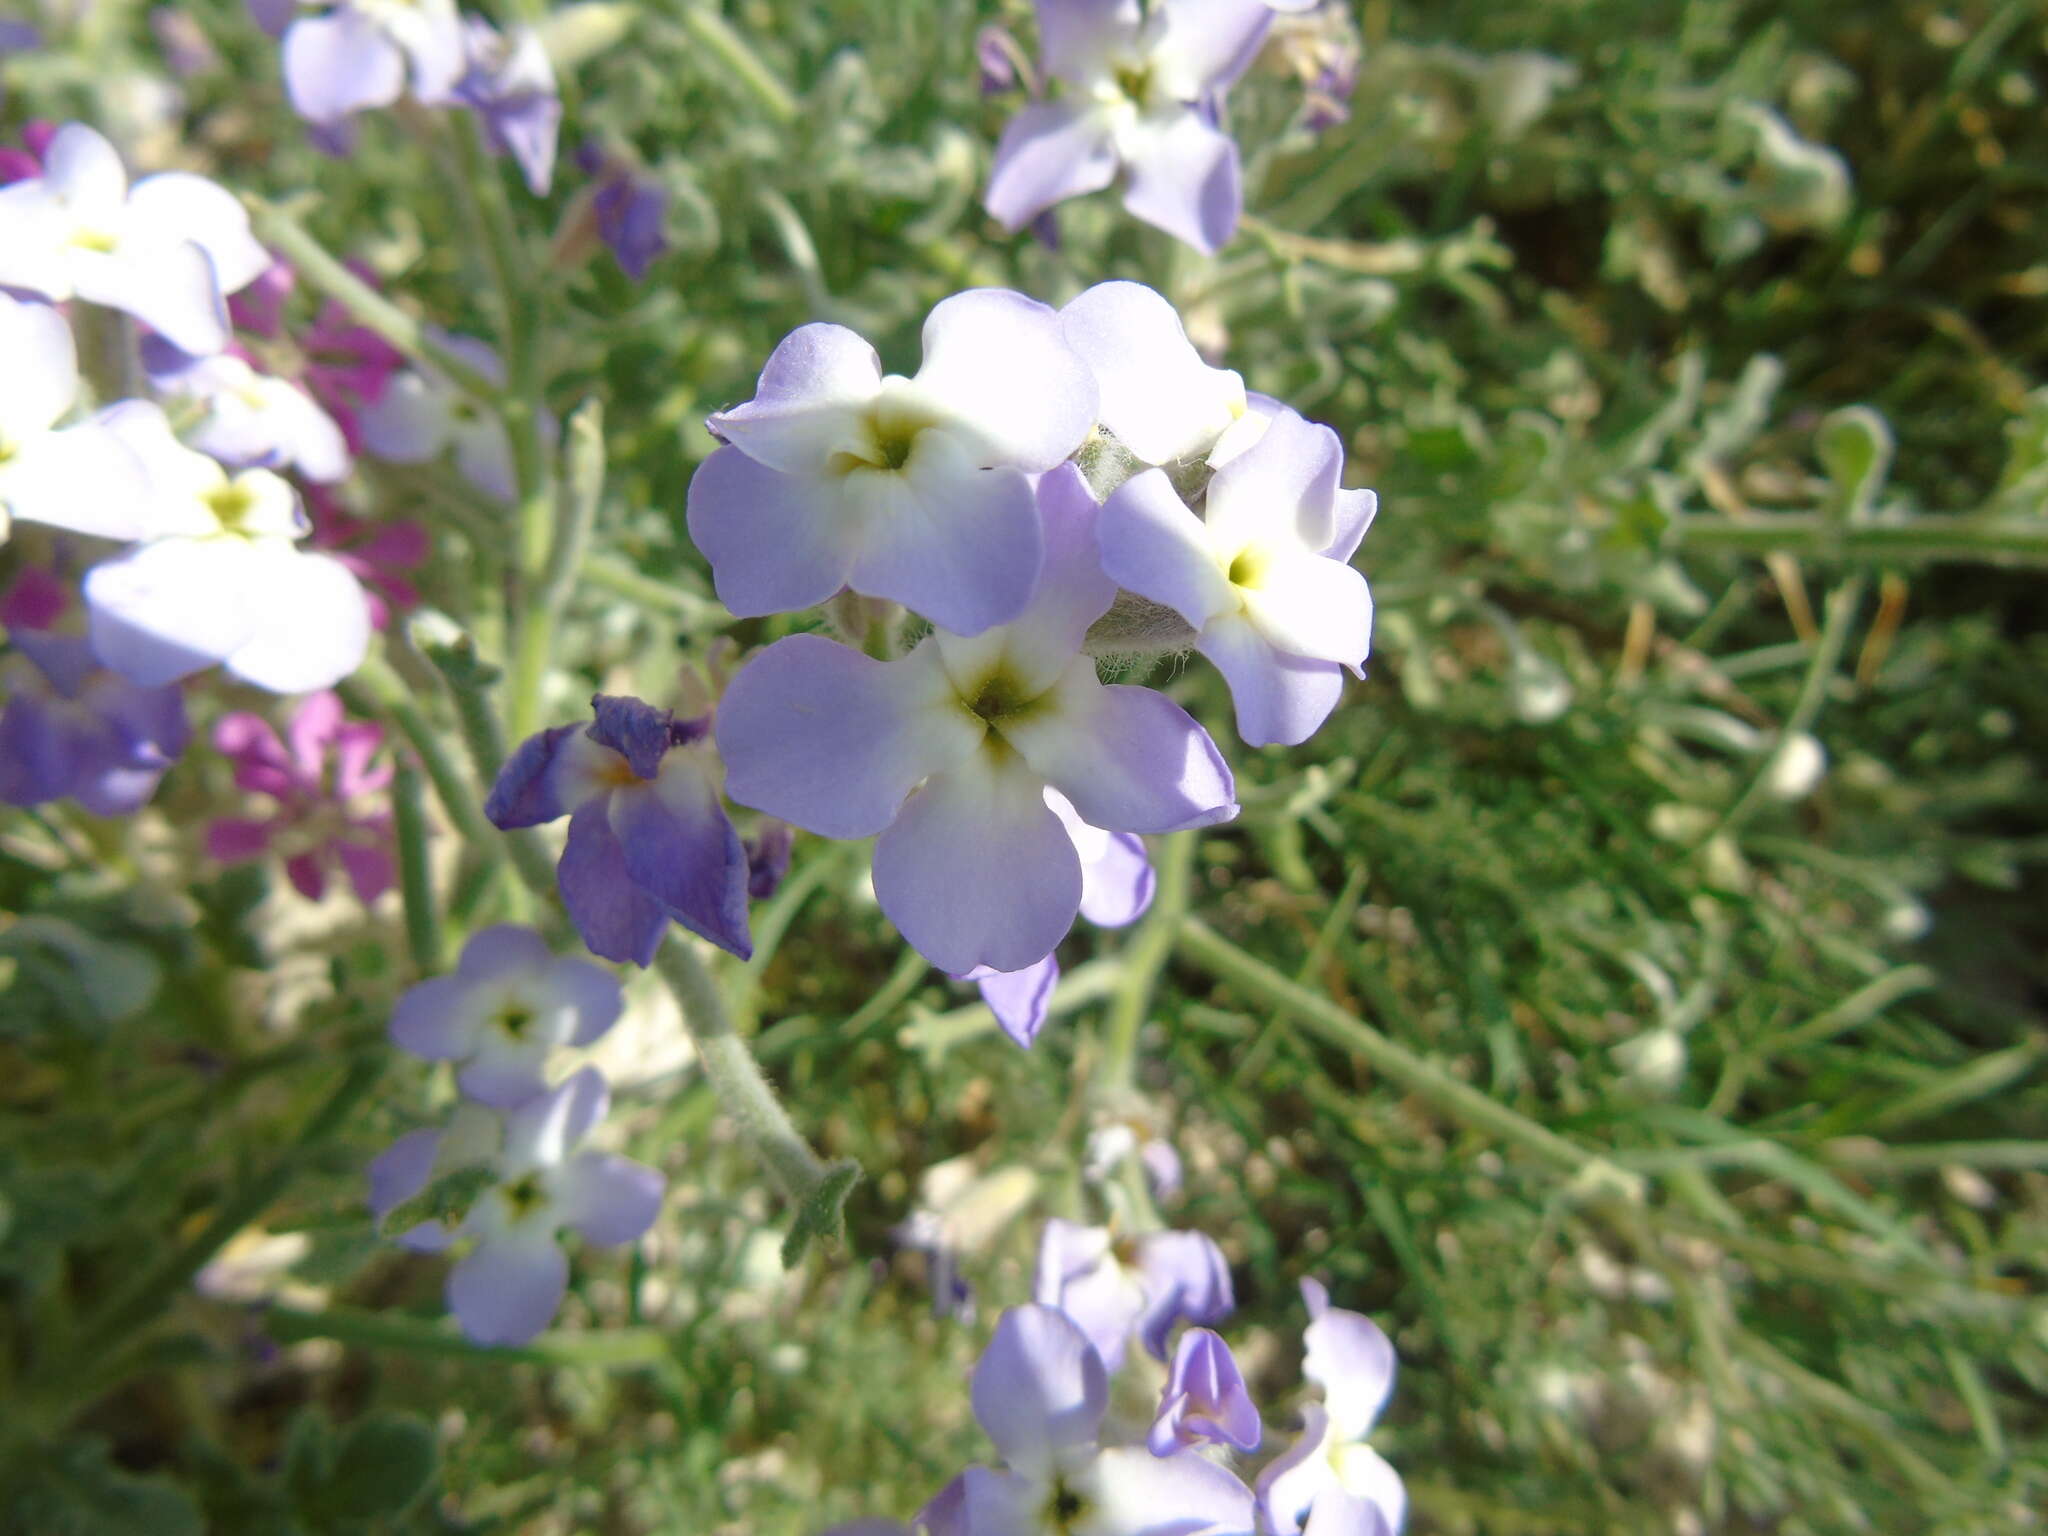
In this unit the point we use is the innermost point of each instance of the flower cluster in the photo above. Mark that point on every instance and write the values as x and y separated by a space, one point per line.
972 493
1041 1393
511 1169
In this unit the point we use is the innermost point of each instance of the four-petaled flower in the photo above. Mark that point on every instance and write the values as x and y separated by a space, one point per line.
1040 1393
510 1283
509 1002
1143 93
510 86
221 577
167 250
916 489
253 420
649 840
356 56
72 728
322 814
948 751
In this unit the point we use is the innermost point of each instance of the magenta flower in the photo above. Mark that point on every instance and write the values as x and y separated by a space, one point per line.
381 554
323 815
347 366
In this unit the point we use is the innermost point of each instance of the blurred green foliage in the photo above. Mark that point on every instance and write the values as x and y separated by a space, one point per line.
1573 274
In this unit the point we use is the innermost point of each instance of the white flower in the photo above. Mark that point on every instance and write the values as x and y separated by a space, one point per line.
79 477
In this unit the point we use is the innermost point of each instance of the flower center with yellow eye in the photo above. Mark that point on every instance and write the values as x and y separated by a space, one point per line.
88 239
515 1019
1000 697
1249 568
888 440
1135 81
524 1196
1065 1509
232 503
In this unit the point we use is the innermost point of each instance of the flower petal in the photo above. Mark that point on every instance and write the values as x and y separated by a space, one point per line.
1353 516
1018 999
1050 151
1039 1388
609 1200
509 1289
1131 1492
1282 488
1350 1357
977 871
591 994
1154 545
821 735
1158 397
545 1131
1076 38
1311 607
402 1170
680 848
1209 43
410 421
1130 759
997 363
1280 698
960 545
177 205
82 479
1184 179
1337 1513
505 1073
167 284
618 920
41 378
310 625
808 404
439 1019
776 541
531 786
340 63
166 609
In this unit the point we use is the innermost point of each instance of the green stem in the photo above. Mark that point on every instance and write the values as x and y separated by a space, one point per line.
693 609
731 50
744 1092
416 880
536 620
1144 957
1260 983
1820 672
369 308
1921 541
613 1349
376 691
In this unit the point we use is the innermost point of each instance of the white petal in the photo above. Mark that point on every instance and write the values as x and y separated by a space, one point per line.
1157 395
178 206
82 479
1039 1388
168 285
1308 606
82 169
810 403
1154 545
1131 1492
996 363
310 624
35 256
167 609
40 379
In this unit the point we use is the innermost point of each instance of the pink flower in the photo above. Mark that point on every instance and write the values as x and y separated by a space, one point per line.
347 365
321 818
379 553
26 163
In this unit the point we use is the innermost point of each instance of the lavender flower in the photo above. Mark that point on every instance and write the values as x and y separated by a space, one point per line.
220 578
1116 888
80 477
649 840
167 250
1329 1478
509 1002
1204 1400
510 86
1112 1290
322 816
914 489
252 420
355 57
1261 575
70 728
418 415
1143 92
1040 1393
511 1282
948 752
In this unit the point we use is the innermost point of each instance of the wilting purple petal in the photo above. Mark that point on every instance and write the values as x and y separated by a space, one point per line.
634 729
1204 1399
680 848
618 920
528 791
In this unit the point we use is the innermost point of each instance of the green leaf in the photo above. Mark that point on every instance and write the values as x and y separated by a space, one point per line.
823 1214
73 1489
385 1466
308 1456
1855 448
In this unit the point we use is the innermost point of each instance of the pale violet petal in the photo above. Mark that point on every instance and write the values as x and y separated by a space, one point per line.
1337 1513
83 170
1130 759
959 544
411 421
402 1170
1131 1492
438 1019
164 610
1311 607
509 1289
1154 545
976 870
1363 1473
505 1073
607 1199
1207 44
1350 1357
35 256
1283 488
776 542
994 1503
1039 1388
590 993
340 63
1049 151
996 363
1354 514
1158 397
1018 999
1184 178
167 284
544 1131
1280 699
80 478
1078 39
821 735
810 402
483 455
1290 1484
